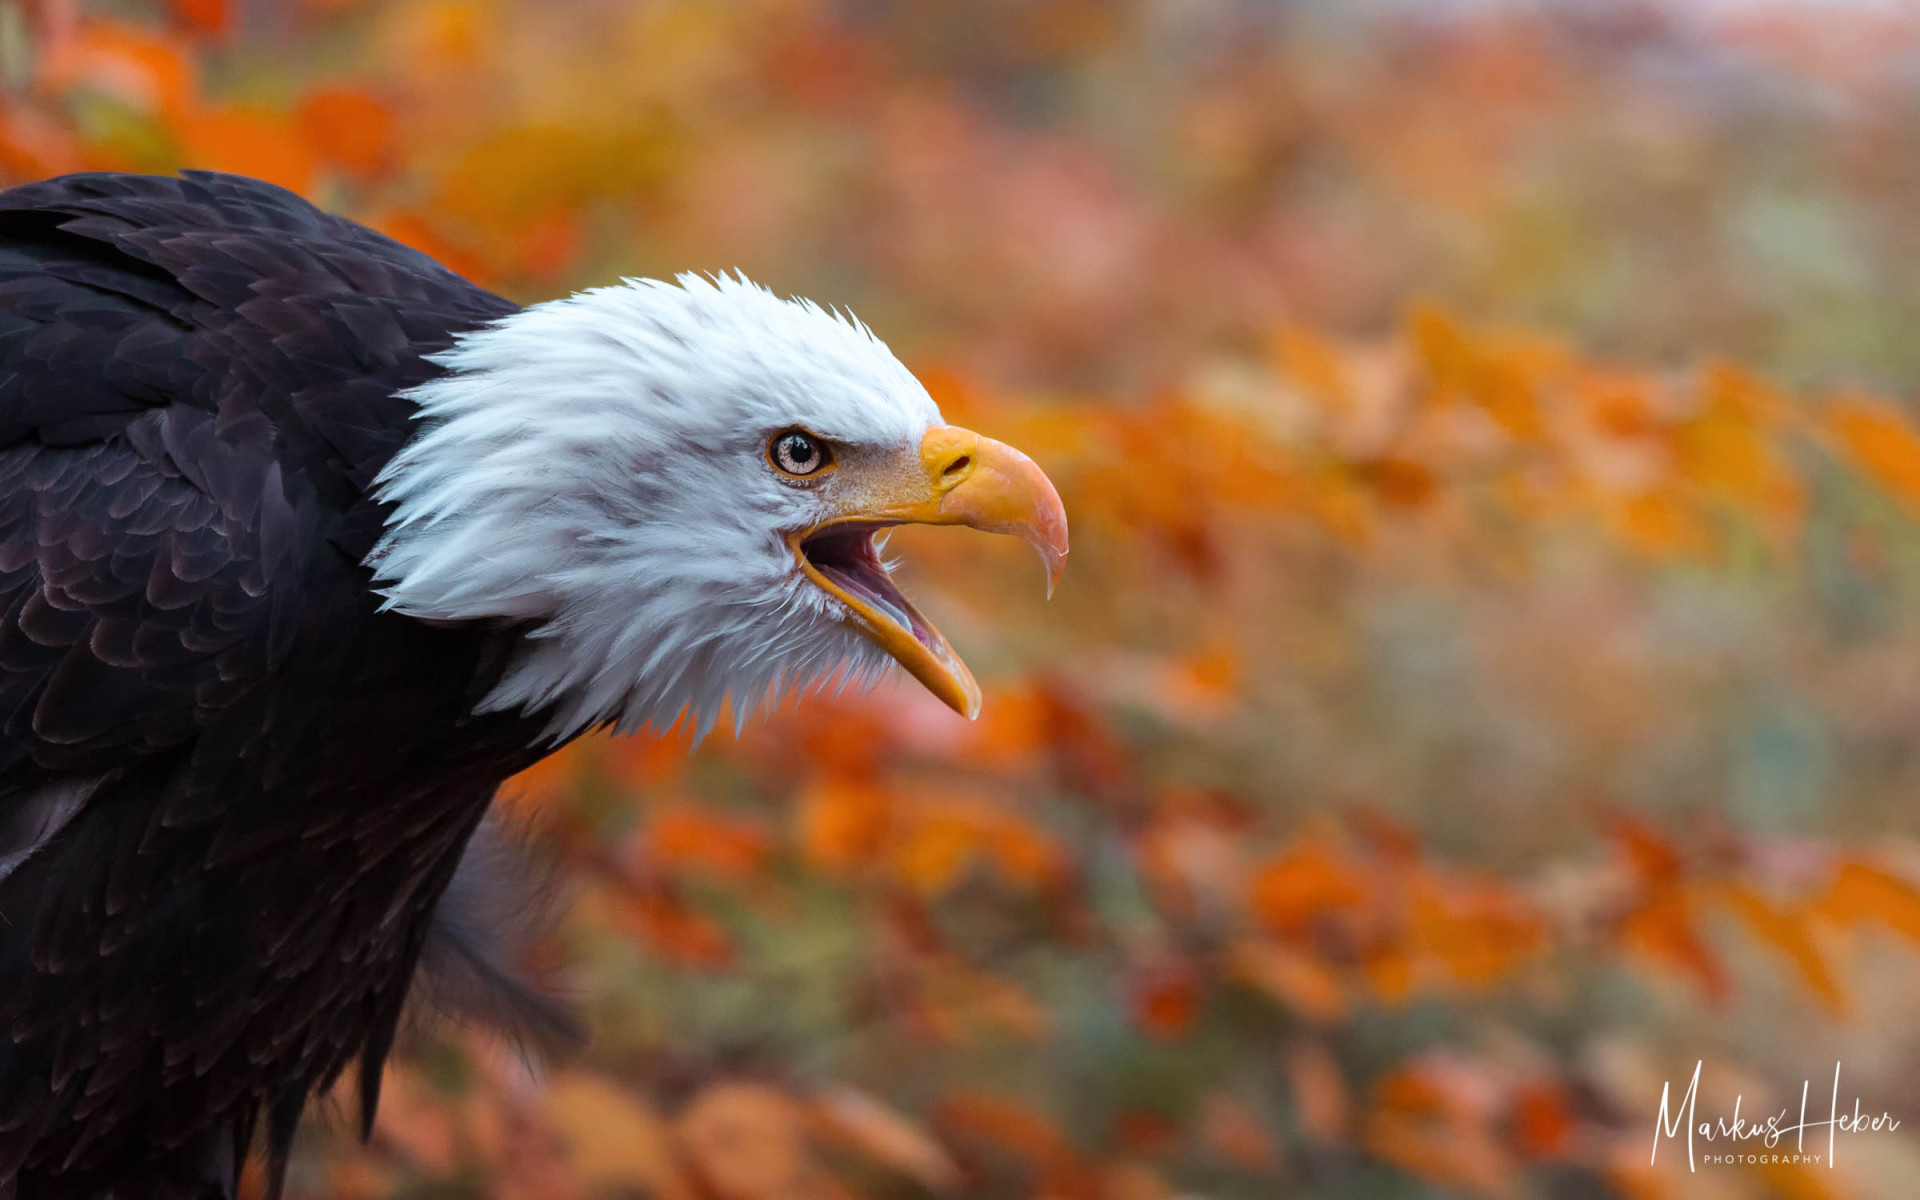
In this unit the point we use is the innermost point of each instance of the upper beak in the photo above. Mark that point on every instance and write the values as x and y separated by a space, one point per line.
960 478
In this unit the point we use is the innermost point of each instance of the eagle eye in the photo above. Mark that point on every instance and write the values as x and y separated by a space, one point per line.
798 453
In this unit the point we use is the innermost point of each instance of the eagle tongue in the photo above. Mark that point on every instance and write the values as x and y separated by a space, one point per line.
874 587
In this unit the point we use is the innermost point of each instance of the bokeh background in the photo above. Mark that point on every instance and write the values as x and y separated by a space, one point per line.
1487 683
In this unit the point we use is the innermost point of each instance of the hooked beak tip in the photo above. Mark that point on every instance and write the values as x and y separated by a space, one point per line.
1055 562
1000 491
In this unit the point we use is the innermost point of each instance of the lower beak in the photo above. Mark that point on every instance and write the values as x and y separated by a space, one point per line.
959 478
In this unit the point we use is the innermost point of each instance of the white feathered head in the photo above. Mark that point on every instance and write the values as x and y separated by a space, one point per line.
676 489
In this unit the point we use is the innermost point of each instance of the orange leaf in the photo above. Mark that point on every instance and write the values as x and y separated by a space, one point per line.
1011 1128
1389 968
349 129
548 779
647 762
425 235
1507 394
728 847
669 925
1662 523
548 244
841 824
247 141
1881 443
1652 856
1294 889
1479 931
1662 931
1788 933
1795 1181
33 144
1430 1120
1024 854
1166 999
1315 365
1543 1122
1498 378
1859 892
1730 454
931 857
1214 668
1737 392
1400 482
1385 836
884 1135
1450 358
1619 405
1010 734
956 993
203 16
1301 983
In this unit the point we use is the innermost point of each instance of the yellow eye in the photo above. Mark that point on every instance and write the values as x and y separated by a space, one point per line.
797 452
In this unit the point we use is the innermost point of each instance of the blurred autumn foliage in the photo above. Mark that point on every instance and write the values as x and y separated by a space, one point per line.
1447 733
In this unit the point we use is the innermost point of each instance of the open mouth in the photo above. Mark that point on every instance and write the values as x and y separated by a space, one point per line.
843 559
957 477
848 563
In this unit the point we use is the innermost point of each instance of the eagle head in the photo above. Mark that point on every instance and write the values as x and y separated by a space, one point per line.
674 492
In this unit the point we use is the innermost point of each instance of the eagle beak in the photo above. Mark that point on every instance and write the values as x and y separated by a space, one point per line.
957 478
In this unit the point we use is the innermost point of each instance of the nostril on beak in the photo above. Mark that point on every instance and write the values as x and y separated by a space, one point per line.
949 456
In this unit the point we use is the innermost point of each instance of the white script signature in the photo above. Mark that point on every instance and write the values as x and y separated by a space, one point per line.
1743 1140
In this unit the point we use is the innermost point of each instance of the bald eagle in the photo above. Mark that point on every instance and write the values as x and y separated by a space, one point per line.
306 545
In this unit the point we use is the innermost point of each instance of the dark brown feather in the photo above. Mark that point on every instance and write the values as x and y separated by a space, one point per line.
199 379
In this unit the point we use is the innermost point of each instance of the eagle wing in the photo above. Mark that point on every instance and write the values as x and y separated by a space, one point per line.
199 381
